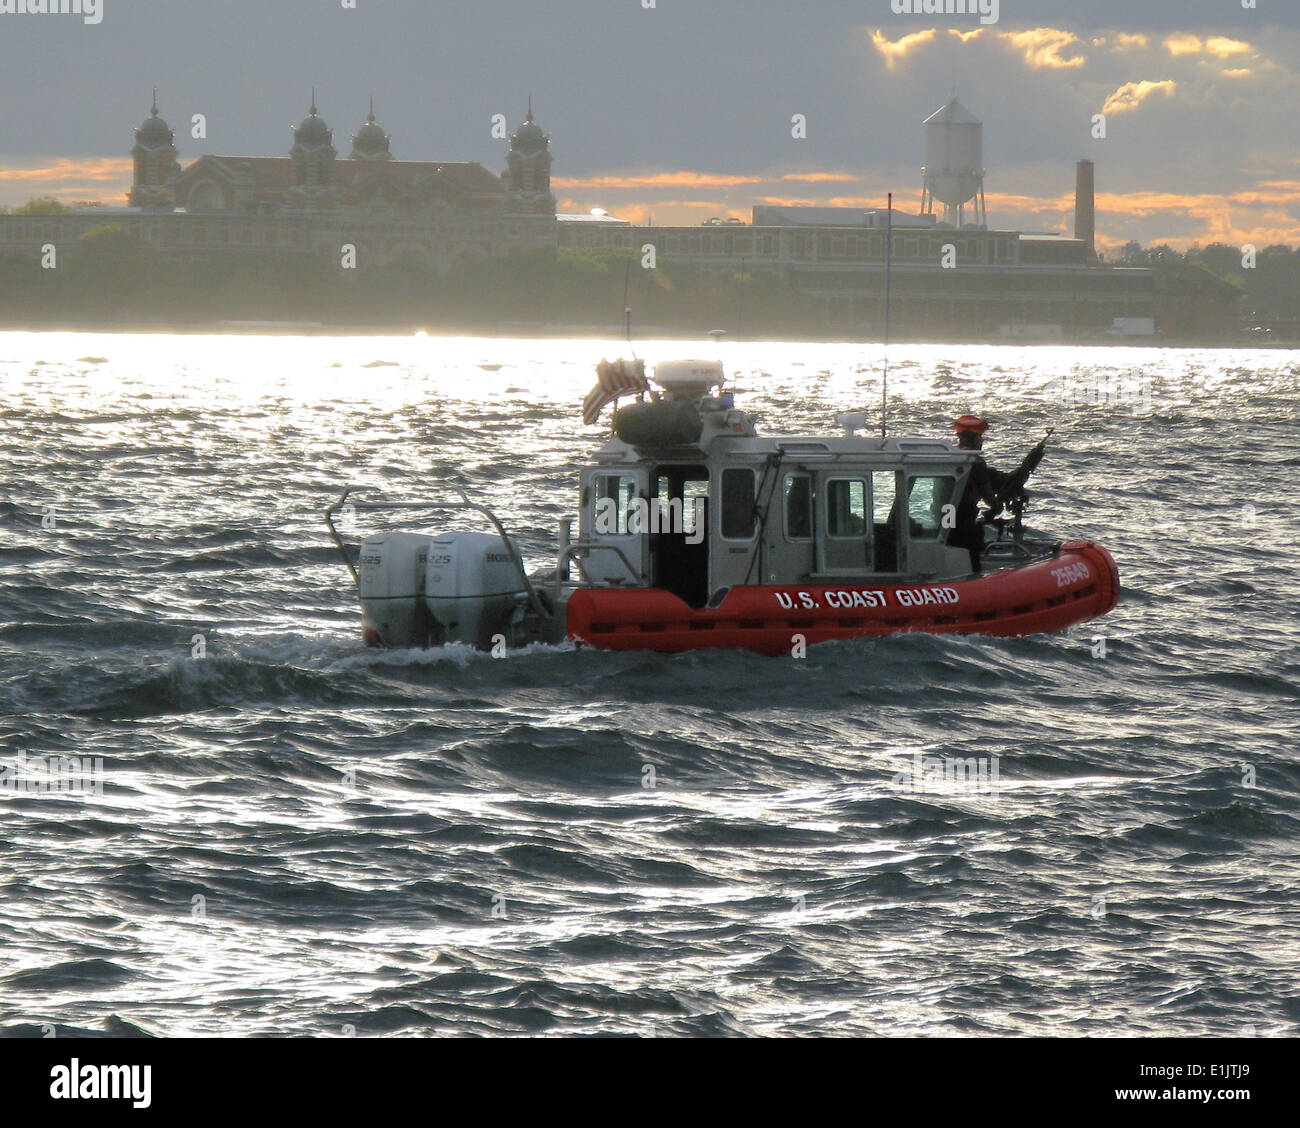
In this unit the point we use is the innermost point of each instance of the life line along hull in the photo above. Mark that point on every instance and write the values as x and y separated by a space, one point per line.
1081 583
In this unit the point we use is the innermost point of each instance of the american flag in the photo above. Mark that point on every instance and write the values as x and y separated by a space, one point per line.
613 379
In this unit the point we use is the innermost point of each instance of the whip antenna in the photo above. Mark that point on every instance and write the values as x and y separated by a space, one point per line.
627 308
889 262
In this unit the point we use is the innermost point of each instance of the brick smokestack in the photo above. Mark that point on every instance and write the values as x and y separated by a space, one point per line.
1085 207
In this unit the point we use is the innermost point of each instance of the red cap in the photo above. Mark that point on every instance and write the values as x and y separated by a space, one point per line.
971 423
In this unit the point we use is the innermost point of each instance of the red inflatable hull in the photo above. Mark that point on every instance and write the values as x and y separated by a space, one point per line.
1081 583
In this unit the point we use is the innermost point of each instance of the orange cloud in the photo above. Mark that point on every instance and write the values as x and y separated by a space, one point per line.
893 50
1122 41
1143 203
70 181
102 171
1135 215
967 36
711 206
1253 213
1182 43
1132 94
1220 46
1042 46
1011 202
790 202
819 177
658 180
1223 48
688 179
1269 192
862 203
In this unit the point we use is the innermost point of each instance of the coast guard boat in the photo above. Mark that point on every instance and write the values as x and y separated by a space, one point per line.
695 531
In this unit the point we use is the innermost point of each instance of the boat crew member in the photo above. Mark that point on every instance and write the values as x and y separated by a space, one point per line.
983 485
990 486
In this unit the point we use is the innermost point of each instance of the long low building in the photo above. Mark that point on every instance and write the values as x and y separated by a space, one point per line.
944 282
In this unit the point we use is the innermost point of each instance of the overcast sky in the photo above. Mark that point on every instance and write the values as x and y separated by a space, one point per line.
683 110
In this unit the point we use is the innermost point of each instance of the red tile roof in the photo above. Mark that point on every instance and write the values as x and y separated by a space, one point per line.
277 172
268 172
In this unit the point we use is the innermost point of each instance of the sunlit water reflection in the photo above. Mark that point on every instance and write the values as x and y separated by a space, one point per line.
440 842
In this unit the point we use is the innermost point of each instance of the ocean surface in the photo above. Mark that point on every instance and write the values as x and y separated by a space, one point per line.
292 835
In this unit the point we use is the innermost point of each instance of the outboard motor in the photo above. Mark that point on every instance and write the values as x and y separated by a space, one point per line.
473 587
391 579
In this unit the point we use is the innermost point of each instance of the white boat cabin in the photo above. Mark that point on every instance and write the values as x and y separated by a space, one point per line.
690 499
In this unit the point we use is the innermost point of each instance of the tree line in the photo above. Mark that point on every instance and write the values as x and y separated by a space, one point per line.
115 276
1268 279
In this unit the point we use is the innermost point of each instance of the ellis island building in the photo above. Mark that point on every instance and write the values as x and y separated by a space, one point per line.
315 201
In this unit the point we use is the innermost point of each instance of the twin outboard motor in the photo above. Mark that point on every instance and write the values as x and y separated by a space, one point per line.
422 590
390 580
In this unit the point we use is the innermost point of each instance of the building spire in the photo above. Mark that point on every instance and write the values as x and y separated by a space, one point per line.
313 100
154 107
530 107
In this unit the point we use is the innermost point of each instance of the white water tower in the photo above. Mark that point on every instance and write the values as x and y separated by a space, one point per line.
954 164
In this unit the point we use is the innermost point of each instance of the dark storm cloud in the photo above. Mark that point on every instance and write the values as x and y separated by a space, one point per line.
613 80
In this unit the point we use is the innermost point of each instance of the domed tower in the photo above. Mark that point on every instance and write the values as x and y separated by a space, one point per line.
370 142
154 157
313 151
527 177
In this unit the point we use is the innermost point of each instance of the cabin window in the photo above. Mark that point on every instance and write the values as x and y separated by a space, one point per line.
846 507
738 515
927 500
798 507
614 496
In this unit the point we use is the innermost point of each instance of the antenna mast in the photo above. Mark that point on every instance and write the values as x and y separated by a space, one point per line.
889 262
627 308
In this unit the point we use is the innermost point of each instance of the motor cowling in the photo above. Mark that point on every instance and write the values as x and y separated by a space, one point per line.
391 575
473 587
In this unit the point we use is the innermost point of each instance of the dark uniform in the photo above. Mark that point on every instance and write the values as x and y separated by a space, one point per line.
982 485
985 484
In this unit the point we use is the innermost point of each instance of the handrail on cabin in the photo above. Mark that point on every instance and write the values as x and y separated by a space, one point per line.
571 553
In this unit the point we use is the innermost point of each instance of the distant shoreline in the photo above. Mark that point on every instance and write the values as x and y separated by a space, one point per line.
544 331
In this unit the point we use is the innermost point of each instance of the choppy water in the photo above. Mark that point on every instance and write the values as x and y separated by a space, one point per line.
440 842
